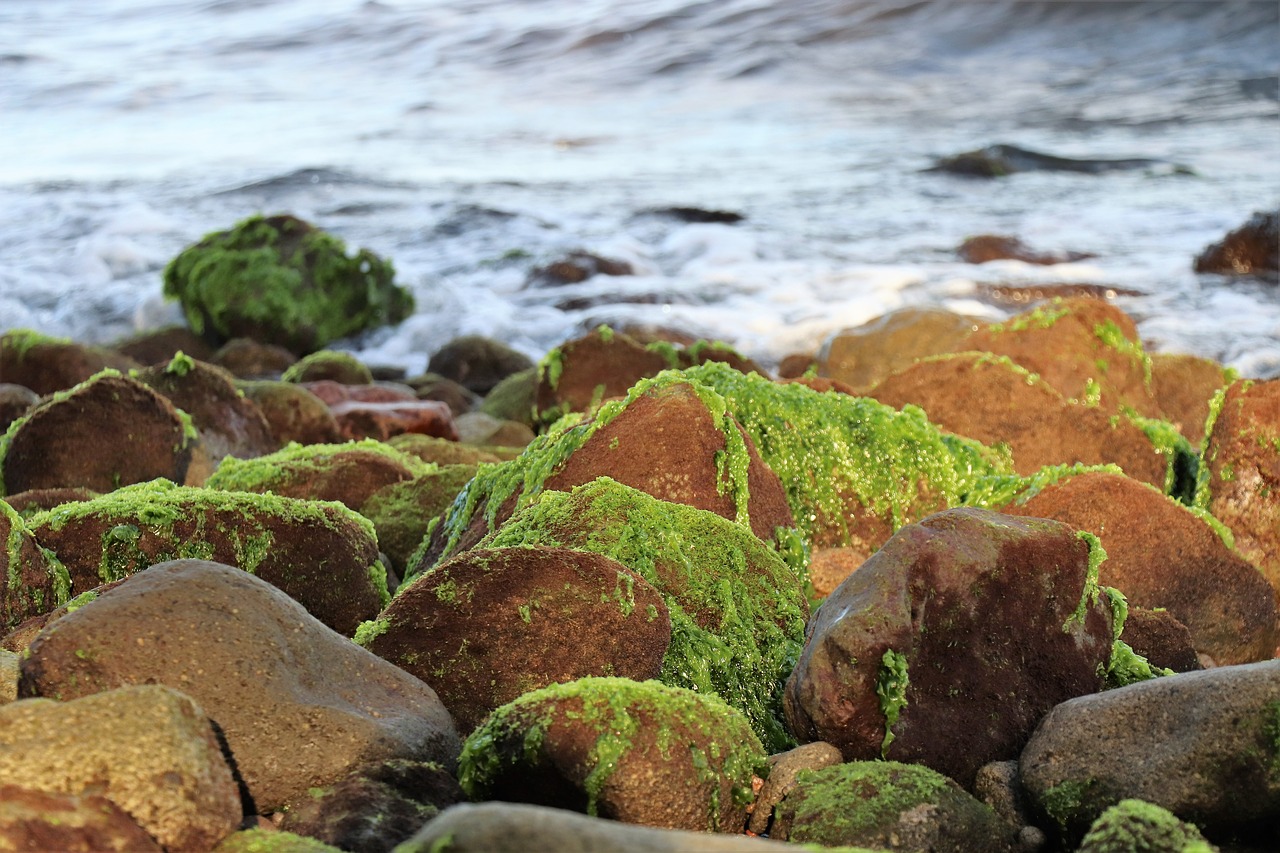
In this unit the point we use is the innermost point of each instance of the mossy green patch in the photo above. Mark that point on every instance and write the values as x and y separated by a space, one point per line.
1135 825
1042 317
296 461
18 596
1089 595
181 364
19 342
370 630
1066 801
1112 336
1125 666
271 841
891 687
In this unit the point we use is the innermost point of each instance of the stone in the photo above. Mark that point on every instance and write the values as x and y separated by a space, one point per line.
322 554
299 704
996 161
997 785
40 820
457 397
580 374
784 767
402 512
35 501
985 248
46 365
1132 825
1184 385
149 749
282 281
886 804
358 420
8 676
159 346
1240 471
1161 639
1199 744
635 752
294 413
33 580
574 268
442 451
1252 249
60 443
947 646
484 430
15 401
333 365
512 399
862 356
249 359
270 840
1162 555
477 363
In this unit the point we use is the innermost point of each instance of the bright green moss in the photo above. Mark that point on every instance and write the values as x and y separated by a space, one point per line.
1043 317
328 364
667 350
370 630
1001 490
1134 825
181 364
1112 336
1181 460
1203 497
271 841
1089 595
1065 802
15 591
296 461
891 687
551 367
605 332
20 341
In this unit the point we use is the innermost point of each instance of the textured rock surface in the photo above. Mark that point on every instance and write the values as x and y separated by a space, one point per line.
1184 385
46 365
299 705
148 749
33 581
863 356
784 767
40 820
600 365
294 413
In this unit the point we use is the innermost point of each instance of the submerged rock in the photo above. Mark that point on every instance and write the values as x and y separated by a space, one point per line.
985 248
1251 249
996 161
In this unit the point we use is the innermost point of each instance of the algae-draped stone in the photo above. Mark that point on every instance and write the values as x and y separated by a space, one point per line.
636 752
949 644
47 364
299 704
320 553
737 609
490 625
403 511
106 432
34 582
580 374
1134 825
281 280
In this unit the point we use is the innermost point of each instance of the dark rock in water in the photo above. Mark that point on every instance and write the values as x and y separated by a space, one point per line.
888 804
477 363
490 625
74 439
332 365
1184 385
993 247
299 704
996 161
1133 825
45 365
280 280
248 359
576 267
698 215
1252 249
948 645
159 346
44 820
15 401
636 752
374 807
1158 636
294 413
1200 744
32 582
866 354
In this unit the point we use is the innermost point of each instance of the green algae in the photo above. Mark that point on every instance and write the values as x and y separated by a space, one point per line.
1089 595
1136 825
369 630
328 364
1182 461
296 461
1000 490
1125 666
181 364
271 841
1043 317
1066 801
891 687
1203 476
16 594
667 350
737 610
1112 336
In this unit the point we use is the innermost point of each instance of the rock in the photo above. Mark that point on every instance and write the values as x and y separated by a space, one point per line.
332 392
230 423
342 367
1162 555
483 430
997 785
992 247
46 365
784 767
576 267
635 752
580 374
1132 825
702 351
1251 249
8 678
518 828
298 704
457 397
159 346
490 625
698 215
35 501
357 420
1023 412
149 749
512 399
264 840
862 356
294 413
997 161
39 820
888 804
282 281
1200 744
797 364
1085 348
737 610
441 451
15 401
60 443
828 567
947 646
374 807
321 554
1161 639
1184 385
1240 471
249 359
401 512
477 363
33 582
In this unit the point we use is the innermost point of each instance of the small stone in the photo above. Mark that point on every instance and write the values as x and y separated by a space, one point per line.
783 769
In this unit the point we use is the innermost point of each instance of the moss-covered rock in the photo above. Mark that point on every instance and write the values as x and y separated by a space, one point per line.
34 582
328 364
637 752
47 364
403 511
512 398
294 413
443 452
259 840
1131 826
280 280
580 374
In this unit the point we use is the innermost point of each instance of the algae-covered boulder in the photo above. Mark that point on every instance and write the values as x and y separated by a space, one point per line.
402 512
283 281
47 364
636 752
1135 825
737 609
33 581
862 356
322 554
1184 386
890 805
328 364
579 374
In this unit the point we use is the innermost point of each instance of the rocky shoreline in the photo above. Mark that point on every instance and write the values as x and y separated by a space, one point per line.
940 585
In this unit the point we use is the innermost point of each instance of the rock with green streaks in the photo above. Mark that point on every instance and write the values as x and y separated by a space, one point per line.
34 581
47 364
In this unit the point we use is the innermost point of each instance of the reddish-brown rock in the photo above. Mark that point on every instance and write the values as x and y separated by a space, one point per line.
985 248
1251 249
862 356
46 364
40 820
1184 385
250 359
602 364
294 413
357 420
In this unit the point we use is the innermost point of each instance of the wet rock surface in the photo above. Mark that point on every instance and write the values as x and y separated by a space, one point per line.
1252 249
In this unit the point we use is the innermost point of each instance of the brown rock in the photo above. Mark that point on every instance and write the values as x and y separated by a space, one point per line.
1159 637
34 501
329 365
249 359
993 247
333 392
1184 385
357 420
33 582
1251 249
483 430
299 704
159 346
783 769
796 365
581 373
862 356
45 365
294 413
1019 295
491 625
477 363
74 439
828 567
457 397
1160 555
576 267
40 820
969 625
15 401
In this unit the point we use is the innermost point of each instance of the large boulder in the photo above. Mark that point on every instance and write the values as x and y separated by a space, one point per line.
282 281
949 644
298 704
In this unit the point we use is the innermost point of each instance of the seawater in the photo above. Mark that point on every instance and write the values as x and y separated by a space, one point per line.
471 141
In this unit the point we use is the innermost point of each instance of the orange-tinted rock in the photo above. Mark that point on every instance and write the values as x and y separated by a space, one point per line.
862 356
32 581
1184 385
796 364
46 365
294 413
357 420
1160 555
40 820
600 365
1251 249
104 433
993 247
576 267
828 567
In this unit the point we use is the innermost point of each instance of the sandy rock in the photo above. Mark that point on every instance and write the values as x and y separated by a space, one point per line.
636 752
40 820
1251 249
951 642
294 413
490 625
1184 385
249 359
579 374
71 439
783 769
33 580
46 365
299 704
477 363
863 356
149 749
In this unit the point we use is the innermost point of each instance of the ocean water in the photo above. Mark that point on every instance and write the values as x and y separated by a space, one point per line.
472 141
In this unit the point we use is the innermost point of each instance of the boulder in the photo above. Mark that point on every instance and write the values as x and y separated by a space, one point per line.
579 375
1200 744
635 752
457 397
41 820
248 359
35 501
15 401
443 452
333 365
149 749
784 767
294 413
402 512
512 399
1252 249
1184 386
576 267
1161 639
947 646
985 248
46 365
477 363
159 346
72 439
862 356
33 580
282 281
484 430
1132 825
299 705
